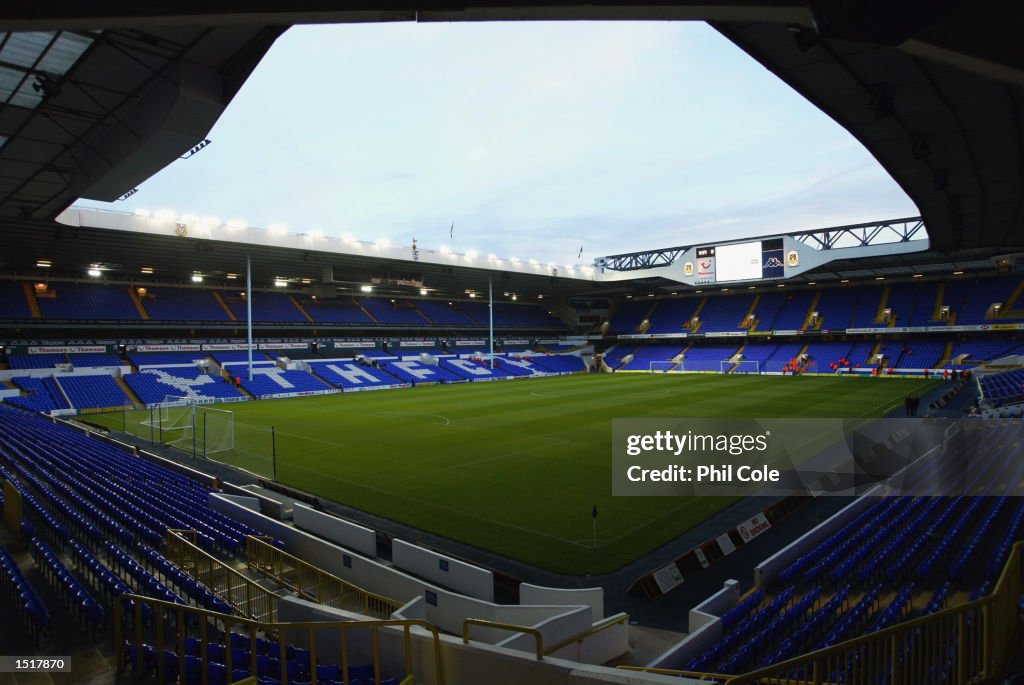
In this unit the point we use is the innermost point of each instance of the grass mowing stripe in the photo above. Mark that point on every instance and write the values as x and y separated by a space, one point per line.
520 464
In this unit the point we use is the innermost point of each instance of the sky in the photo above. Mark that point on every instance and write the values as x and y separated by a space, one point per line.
532 139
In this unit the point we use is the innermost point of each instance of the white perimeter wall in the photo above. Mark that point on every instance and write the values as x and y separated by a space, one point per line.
452 573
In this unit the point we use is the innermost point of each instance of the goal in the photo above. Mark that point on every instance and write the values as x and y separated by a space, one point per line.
665 366
185 423
751 366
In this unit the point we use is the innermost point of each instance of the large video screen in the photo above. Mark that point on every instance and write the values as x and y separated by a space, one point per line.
739 262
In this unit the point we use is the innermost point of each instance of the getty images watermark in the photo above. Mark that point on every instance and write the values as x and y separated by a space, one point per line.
781 457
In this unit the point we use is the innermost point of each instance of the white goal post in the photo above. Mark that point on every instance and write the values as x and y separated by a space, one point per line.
742 366
203 430
665 366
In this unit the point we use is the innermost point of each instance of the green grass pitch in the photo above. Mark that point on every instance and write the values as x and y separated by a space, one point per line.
516 467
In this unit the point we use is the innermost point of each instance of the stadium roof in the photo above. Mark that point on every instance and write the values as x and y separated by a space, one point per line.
100 96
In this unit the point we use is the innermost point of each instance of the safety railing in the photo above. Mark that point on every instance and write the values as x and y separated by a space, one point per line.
594 630
960 645
313 583
538 638
243 594
150 637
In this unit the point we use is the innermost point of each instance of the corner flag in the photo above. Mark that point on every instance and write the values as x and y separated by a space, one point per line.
594 512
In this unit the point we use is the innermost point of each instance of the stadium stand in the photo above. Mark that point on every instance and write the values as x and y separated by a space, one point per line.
473 370
1003 388
673 316
93 392
85 301
395 311
351 374
708 357
223 357
479 312
340 311
35 361
903 557
443 313
528 315
150 359
724 313
13 303
866 308
93 359
968 353
269 381
558 363
41 394
972 300
270 307
153 385
182 304
645 354
628 317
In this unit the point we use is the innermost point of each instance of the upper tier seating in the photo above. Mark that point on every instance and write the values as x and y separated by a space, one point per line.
239 356
443 313
147 359
35 361
673 316
393 311
725 313
864 313
527 315
342 310
269 307
94 301
88 359
971 299
182 304
479 312
628 316
13 303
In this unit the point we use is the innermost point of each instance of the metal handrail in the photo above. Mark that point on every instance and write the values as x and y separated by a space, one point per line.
321 587
594 630
178 618
504 626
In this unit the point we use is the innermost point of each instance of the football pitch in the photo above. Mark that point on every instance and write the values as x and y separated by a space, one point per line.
517 467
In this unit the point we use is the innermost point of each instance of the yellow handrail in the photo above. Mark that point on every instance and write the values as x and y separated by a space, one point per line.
504 626
313 583
183 620
244 595
970 642
594 630
671 671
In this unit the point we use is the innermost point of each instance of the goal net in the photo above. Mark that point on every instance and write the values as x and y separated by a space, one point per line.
664 366
184 422
742 366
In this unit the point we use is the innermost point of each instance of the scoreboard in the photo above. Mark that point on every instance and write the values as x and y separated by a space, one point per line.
751 261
